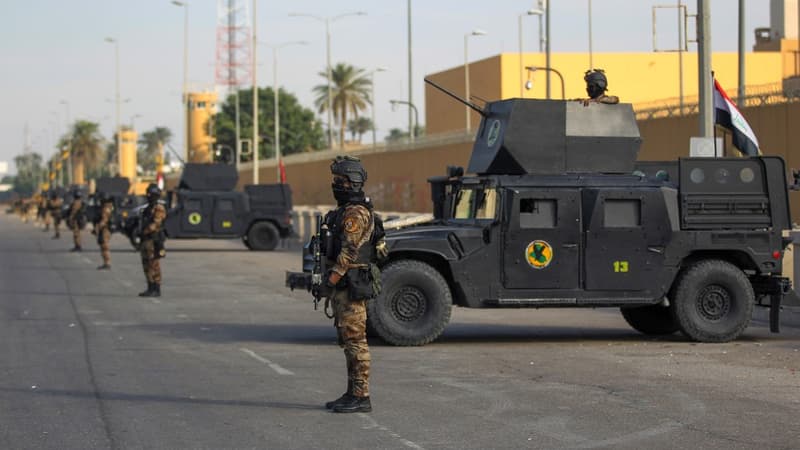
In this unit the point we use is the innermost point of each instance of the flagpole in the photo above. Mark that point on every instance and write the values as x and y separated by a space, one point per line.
714 114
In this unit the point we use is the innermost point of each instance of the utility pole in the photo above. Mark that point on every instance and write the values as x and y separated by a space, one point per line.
740 100
255 99
410 79
704 69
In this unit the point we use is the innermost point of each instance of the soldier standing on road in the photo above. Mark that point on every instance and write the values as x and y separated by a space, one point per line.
152 246
55 205
596 87
76 219
103 229
45 207
353 228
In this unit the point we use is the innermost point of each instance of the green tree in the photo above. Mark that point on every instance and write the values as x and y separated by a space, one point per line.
86 146
299 129
359 126
29 173
350 92
150 147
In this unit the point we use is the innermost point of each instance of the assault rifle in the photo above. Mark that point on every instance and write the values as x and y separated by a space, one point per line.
314 265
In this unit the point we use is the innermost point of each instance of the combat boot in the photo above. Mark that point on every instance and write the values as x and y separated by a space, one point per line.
156 290
148 292
343 399
354 405
104 267
75 249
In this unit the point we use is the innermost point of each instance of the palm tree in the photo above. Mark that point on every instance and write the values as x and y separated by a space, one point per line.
350 92
359 127
86 146
152 143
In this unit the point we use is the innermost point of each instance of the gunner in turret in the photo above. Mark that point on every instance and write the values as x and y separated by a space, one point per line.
596 87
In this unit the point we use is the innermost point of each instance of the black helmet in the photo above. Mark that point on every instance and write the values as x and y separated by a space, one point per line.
104 197
596 82
153 191
53 195
77 193
348 167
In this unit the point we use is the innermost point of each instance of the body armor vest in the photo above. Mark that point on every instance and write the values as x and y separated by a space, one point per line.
367 253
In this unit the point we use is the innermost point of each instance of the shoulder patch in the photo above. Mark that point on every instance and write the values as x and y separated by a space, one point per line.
352 225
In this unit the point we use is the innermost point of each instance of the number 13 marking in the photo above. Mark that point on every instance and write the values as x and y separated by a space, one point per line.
621 266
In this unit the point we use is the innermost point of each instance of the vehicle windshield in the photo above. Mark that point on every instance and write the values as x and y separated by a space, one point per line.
475 203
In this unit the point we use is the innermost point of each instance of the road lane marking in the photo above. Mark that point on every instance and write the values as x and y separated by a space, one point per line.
375 425
272 365
88 261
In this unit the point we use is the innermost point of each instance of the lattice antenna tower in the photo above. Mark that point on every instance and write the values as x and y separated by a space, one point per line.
234 44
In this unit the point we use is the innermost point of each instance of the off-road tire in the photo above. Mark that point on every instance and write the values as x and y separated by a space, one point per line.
136 242
653 320
712 301
263 236
414 304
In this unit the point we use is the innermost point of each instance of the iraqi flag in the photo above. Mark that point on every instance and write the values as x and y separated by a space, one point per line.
728 115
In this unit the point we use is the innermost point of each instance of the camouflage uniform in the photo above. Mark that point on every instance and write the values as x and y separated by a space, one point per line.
104 232
55 211
152 218
74 221
354 227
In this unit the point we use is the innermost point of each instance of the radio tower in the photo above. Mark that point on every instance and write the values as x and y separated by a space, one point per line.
234 52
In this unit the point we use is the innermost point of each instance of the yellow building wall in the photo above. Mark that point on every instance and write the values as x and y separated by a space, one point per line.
634 77
127 154
200 131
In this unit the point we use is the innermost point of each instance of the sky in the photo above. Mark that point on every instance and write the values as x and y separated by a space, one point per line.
54 60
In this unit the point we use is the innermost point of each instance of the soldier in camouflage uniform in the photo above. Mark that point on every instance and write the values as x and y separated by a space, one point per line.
103 229
352 226
76 219
54 207
46 207
596 87
152 246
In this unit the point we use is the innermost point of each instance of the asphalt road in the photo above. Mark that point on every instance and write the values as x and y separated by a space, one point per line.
228 358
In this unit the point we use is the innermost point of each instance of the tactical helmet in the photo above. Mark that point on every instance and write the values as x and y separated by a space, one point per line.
348 167
153 191
53 195
596 82
77 193
104 197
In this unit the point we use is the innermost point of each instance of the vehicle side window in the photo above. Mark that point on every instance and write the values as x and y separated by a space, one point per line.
538 213
487 204
622 213
463 208
225 205
194 204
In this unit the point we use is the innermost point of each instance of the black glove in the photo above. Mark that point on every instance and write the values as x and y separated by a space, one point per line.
325 289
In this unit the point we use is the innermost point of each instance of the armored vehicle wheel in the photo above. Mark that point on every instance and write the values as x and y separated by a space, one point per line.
262 236
414 304
712 301
651 320
135 242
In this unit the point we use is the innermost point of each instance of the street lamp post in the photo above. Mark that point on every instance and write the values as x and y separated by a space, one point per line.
276 108
416 116
116 99
532 69
69 159
185 6
530 12
466 71
327 21
255 98
591 64
372 99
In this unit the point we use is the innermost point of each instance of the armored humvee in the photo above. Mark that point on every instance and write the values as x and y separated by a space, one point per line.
117 188
556 213
207 206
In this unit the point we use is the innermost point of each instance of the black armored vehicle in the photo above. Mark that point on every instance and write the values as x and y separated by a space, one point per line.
206 206
117 189
556 213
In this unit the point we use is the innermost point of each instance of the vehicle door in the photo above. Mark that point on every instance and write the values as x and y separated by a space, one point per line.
227 213
542 239
626 236
195 213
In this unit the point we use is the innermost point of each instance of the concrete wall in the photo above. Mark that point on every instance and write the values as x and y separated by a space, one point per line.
634 77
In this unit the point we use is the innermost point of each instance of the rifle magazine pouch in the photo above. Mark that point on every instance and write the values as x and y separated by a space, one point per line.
360 284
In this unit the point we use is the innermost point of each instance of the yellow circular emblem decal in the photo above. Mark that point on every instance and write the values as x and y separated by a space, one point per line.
195 218
539 254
